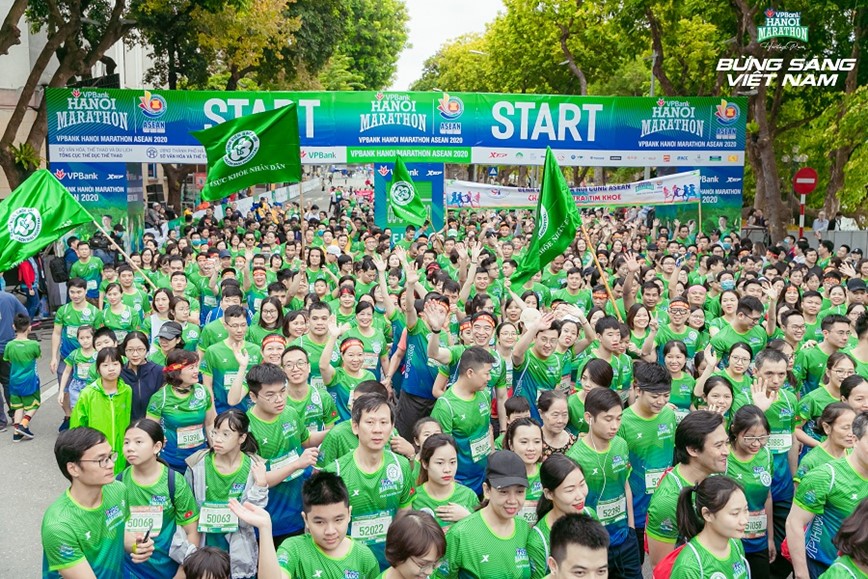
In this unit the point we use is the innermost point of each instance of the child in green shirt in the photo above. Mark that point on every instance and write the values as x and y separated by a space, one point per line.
24 394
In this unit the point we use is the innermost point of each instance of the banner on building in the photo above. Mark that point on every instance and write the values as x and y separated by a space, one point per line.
674 189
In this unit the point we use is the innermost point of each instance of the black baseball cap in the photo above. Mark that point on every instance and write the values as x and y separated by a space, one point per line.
506 469
856 285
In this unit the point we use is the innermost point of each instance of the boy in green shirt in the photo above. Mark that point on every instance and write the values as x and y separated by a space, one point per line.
579 548
24 394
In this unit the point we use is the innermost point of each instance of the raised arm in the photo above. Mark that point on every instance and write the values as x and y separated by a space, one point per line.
633 269
527 338
436 315
325 359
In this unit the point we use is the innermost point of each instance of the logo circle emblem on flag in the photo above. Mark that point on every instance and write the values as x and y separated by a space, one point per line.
240 148
25 224
543 220
401 193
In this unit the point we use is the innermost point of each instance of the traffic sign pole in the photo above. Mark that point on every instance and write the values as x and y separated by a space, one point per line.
804 181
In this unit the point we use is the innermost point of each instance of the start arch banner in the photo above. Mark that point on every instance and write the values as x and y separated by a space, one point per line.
124 126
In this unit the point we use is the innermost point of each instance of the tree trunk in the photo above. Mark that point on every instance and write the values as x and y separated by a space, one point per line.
175 176
766 169
10 34
841 155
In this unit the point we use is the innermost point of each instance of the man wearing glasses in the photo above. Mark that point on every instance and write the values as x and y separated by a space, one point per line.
746 328
676 329
314 405
229 359
83 530
810 364
781 409
281 434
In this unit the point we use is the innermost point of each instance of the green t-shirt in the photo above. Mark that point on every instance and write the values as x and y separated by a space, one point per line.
70 319
534 376
808 368
22 356
341 386
831 493
813 459
606 473
461 495
696 562
337 442
651 442
539 545
469 423
317 409
153 506
755 478
376 497
91 272
689 337
219 488
124 322
280 443
220 363
473 550
183 420
212 333
72 534
314 352
576 412
682 394
137 300
844 568
301 557
756 338
661 524
811 406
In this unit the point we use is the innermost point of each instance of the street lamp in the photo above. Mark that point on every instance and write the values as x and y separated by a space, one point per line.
793 161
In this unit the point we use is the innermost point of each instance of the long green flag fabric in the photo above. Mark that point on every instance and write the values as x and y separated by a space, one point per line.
250 150
556 222
404 200
37 213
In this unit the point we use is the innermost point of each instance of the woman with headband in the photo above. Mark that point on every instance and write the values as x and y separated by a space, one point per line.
340 382
182 407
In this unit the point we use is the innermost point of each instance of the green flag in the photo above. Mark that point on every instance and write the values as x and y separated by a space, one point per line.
260 148
404 200
556 221
37 213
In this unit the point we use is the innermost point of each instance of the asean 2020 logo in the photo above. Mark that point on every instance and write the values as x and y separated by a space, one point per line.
401 193
25 224
240 148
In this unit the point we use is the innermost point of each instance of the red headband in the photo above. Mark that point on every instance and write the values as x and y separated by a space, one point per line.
349 343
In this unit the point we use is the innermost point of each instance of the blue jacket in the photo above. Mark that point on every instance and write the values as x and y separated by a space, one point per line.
144 383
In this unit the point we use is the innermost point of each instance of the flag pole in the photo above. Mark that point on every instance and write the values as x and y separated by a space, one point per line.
124 253
699 205
602 274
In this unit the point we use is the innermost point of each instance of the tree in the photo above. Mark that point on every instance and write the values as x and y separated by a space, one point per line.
79 34
375 35
338 74
10 34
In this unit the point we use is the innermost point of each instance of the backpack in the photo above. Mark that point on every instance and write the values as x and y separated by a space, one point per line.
663 569
171 484
57 266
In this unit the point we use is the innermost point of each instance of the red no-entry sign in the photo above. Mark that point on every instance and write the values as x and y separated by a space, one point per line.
805 180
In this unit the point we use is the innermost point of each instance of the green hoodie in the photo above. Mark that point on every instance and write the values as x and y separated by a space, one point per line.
108 414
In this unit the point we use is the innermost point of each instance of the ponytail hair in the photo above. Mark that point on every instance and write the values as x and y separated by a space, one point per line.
240 423
711 494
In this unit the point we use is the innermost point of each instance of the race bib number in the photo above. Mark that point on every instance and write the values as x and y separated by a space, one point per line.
209 301
217 518
369 361
228 379
316 382
72 332
91 285
480 448
680 414
82 370
612 510
371 529
286 460
145 518
780 442
652 477
191 436
528 513
757 524
256 303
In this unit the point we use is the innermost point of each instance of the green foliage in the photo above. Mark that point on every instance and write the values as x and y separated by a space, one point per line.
375 35
27 158
339 74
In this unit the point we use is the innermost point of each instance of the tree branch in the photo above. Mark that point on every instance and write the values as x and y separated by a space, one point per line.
571 60
10 34
657 45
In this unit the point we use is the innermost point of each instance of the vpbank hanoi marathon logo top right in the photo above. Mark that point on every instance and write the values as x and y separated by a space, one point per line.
782 25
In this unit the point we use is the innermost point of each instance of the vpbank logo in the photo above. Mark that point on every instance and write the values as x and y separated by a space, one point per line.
727 113
782 25
383 170
450 107
25 224
60 174
152 105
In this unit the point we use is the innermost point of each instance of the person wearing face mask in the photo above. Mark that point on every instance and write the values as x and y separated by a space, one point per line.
564 494
701 449
606 458
648 427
